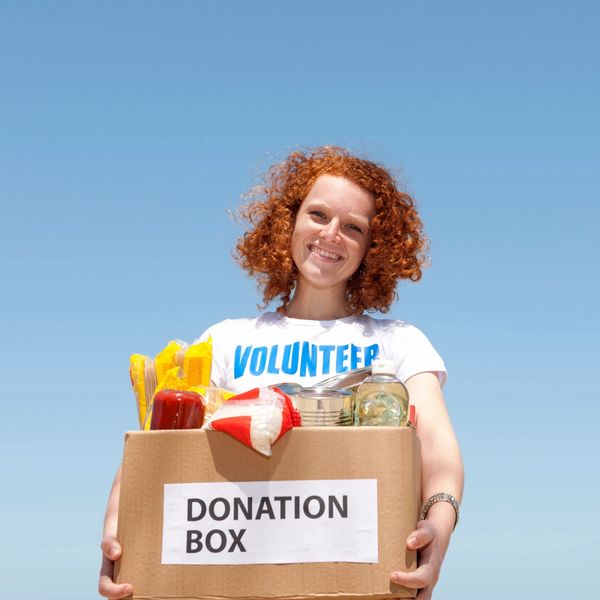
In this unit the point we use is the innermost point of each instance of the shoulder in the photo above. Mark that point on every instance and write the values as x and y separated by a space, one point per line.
410 348
390 327
232 327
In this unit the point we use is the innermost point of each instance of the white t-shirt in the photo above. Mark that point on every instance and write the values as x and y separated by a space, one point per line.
272 348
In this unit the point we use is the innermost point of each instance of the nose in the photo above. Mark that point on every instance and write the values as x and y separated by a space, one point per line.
331 231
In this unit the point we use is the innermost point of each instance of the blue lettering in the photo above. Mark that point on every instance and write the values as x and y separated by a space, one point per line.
290 365
272 360
341 357
258 360
308 359
326 350
354 356
240 361
371 353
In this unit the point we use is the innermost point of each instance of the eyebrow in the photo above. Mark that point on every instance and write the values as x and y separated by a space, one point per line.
316 203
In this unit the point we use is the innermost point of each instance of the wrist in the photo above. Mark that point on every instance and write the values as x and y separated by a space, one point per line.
441 516
443 508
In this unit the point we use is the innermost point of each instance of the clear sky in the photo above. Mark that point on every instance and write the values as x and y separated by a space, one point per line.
129 129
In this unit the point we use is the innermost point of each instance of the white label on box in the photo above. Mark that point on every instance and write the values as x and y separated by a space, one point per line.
270 522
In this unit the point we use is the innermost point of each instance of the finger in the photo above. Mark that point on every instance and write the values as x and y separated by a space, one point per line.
422 536
109 589
111 548
425 593
420 578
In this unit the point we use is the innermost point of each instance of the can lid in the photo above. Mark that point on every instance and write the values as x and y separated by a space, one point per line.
383 366
321 392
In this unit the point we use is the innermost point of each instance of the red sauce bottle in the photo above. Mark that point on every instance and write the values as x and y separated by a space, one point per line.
175 409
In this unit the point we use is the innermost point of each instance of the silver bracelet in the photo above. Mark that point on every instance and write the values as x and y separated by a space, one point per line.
441 497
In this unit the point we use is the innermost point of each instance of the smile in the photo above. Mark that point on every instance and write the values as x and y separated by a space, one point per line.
324 253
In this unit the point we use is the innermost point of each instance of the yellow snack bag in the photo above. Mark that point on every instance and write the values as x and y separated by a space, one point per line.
177 367
165 359
173 379
197 362
137 369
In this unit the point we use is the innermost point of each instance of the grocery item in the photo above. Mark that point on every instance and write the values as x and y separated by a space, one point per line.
137 374
177 366
381 398
320 406
346 380
166 358
257 418
213 398
177 409
197 363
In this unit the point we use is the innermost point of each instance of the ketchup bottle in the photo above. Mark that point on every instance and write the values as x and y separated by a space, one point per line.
176 409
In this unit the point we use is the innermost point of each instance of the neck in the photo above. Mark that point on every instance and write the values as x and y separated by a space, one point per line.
318 305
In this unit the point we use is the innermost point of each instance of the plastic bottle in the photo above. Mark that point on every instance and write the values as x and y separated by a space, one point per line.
381 398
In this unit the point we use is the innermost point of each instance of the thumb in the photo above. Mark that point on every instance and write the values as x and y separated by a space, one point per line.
422 536
111 548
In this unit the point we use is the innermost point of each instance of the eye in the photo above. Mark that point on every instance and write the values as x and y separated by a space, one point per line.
355 228
318 215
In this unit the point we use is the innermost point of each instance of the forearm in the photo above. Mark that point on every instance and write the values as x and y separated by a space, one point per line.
442 468
112 508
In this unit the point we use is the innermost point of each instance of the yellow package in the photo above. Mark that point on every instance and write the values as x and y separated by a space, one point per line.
137 370
166 358
149 380
197 362
178 367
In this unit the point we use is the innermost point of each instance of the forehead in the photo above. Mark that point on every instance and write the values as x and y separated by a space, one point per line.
339 192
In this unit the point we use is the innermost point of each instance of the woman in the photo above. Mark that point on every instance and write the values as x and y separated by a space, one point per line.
330 236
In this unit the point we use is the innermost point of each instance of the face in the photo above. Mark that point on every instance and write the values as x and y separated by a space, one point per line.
332 232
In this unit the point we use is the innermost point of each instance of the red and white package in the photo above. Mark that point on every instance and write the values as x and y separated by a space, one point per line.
257 418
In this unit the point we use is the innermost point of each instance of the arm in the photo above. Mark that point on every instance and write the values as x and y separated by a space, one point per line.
442 471
111 549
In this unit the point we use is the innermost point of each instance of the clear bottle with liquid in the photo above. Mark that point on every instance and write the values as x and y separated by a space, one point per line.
381 399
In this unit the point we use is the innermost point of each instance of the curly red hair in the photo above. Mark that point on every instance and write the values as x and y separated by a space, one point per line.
397 249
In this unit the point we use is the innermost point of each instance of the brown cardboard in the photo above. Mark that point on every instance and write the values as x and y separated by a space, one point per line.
152 458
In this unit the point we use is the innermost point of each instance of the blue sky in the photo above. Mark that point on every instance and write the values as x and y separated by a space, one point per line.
128 130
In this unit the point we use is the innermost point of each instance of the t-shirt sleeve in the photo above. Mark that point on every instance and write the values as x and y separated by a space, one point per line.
413 353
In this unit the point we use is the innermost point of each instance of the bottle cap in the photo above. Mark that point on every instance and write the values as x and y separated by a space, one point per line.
383 366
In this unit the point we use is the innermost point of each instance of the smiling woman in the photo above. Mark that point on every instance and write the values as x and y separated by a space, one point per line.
367 200
330 236
330 239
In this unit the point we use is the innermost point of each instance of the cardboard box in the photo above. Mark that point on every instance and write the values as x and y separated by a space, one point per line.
312 488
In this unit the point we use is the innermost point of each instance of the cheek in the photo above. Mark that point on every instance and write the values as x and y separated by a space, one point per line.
296 245
359 250
301 231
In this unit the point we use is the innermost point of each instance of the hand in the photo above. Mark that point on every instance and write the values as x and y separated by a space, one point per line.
111 551
431 550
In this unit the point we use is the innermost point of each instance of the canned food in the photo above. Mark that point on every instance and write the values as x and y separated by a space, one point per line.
288 388
320 406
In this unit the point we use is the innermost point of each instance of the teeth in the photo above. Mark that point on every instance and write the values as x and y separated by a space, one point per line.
324 253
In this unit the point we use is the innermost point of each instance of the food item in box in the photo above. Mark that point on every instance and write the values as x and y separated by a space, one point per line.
213 398
257 418
197 363
137 373
166 358
381 399
173 379
177 409
177 366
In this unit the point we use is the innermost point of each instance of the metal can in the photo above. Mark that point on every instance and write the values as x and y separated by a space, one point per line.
319 406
